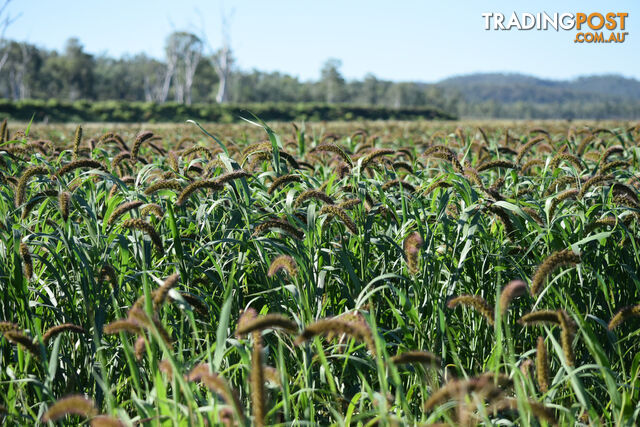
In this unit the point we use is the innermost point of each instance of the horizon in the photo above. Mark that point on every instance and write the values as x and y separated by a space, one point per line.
402 51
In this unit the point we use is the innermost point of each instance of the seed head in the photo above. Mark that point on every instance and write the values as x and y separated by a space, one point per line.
412 245
122 209
145 227
64 199
70 405
357 330
476 302
334 149
514 289
201 184
56 330
283 180
142 137
333 211
312 194
269 321
412 357
551 263
19 338
77 139
542 366
283 262
77 164
23 182
624 314
27 262
165 184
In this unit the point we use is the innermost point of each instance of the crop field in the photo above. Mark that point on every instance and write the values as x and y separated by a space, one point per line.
391 273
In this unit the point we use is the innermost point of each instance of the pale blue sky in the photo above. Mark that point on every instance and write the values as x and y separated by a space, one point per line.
397 40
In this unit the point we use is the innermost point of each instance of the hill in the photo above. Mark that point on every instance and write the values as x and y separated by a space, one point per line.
525 96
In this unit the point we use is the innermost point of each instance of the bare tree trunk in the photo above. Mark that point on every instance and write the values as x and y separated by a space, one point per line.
222 60
191 64
178 87
223 65
5 22
13 87
22 71
171 66
3 60
153 89
148 94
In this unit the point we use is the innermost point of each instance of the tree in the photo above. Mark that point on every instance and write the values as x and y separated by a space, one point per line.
21 67
5 21
122 78
184 51
332 84
223 61
372 91
406 95
154 75
171 55
204 80
79 67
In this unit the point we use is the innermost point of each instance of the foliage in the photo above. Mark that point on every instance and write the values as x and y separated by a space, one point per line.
174 279
128 112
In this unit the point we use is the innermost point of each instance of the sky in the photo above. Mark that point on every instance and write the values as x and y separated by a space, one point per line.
394 40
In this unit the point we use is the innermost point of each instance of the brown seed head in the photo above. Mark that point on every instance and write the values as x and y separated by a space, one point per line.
142 137
70 405
542 366
551 263
476 302
77 164
145 227
23 182
27 262
56 330
269 321
283 263
624 314
334 211
196 185
356 330
122 209
514 289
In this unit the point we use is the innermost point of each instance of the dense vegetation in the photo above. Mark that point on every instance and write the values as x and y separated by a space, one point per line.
187 76
172 112
74 74
524 97
420 274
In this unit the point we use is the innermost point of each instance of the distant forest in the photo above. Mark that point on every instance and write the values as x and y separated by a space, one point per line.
187 75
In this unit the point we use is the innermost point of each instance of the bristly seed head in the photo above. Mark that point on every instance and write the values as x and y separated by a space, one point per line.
144 226
475 301
27 261
70 405
283 263
269 321
514 289
552 262
330 326
412 245
542 366
624 314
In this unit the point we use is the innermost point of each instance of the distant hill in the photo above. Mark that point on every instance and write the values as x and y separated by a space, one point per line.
520 87
518 95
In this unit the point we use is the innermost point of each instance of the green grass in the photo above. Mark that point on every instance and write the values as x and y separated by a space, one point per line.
476 239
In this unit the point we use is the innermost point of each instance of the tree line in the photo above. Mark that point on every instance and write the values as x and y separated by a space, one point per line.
188 75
